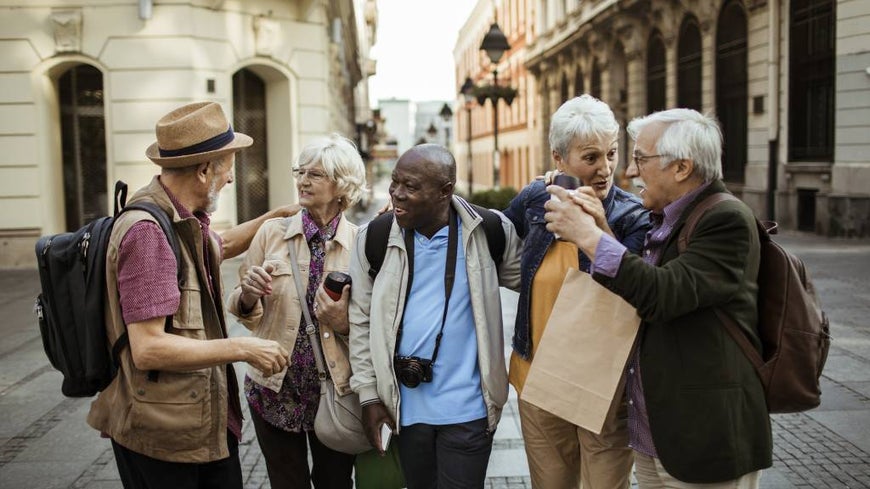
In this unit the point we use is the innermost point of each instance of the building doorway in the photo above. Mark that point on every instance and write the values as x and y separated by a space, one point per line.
252 166
83 145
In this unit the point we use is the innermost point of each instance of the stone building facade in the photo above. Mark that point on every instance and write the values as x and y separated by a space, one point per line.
789 80
82 84
518 153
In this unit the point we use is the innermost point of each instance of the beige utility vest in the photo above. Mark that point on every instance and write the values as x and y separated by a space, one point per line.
182 417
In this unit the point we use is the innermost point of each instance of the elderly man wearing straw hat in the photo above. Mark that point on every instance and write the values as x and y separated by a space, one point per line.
173 410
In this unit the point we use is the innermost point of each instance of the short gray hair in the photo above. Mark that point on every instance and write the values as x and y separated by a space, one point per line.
342 163
689 135
583 117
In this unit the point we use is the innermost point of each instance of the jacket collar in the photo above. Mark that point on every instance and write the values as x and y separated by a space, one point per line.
343 233
155 192
469 218
716 186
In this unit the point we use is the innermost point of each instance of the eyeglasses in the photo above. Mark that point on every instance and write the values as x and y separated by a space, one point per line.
639 160
313 175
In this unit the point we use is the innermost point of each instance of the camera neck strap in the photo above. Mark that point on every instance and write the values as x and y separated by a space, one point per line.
310 330
449 274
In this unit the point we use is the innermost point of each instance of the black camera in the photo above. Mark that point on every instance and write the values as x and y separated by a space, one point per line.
413 370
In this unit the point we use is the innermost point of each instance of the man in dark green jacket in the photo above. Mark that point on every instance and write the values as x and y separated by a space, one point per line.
697 412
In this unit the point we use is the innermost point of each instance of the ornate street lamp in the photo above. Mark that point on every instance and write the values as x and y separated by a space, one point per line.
432 131
446 114
467 92
495 45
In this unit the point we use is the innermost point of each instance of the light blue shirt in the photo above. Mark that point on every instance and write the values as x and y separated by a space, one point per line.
455 394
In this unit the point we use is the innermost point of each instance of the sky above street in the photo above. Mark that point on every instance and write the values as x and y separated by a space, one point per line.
414 49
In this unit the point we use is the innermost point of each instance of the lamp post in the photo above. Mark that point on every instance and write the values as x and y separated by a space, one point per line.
495 44
446 114
431 131
467 92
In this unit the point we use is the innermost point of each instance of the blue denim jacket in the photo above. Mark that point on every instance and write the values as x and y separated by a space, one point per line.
626 217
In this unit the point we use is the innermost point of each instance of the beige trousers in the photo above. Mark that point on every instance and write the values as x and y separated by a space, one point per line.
563 455
652 475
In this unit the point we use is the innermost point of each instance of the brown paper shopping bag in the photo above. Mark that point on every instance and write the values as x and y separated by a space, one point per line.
576 368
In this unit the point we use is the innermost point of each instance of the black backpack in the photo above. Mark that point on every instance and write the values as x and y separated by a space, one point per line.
794 331
71 307
379 231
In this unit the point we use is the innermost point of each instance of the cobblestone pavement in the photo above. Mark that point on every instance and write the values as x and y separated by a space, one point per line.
812 456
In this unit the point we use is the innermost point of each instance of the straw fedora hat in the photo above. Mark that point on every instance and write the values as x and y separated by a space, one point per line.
194 134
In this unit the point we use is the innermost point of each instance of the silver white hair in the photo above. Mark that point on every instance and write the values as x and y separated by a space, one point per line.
689 135
584 117
342 164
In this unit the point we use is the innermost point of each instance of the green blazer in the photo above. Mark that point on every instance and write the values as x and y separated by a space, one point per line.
706 406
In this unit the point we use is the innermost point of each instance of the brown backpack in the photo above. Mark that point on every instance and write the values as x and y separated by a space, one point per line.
793 329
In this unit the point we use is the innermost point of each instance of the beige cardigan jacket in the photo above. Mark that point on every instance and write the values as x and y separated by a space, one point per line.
278 316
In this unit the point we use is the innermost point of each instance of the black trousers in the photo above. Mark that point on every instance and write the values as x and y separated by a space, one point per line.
286 457
143 472
453 456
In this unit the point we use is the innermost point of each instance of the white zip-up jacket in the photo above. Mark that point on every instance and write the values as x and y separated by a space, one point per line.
376 308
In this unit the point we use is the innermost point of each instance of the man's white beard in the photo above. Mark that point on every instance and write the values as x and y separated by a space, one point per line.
213 194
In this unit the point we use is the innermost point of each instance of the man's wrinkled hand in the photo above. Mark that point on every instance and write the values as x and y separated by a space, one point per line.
570 221
267 356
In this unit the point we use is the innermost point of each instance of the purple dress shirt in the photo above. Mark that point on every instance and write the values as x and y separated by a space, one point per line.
608 257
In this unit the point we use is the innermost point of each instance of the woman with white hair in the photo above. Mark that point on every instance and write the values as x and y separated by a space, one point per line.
330 178
584 143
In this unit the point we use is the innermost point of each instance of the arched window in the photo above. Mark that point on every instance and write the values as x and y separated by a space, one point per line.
252 168
579 83
655 73
563 94
83 143
619 101
689 65
731 89
811 80
595 81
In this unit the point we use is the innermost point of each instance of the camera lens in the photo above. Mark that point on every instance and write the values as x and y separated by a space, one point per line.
409 371
410 379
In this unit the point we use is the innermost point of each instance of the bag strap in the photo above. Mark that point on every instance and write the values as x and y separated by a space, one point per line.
165 223
683 243
310 330
494 231
696 215
378 234
449 276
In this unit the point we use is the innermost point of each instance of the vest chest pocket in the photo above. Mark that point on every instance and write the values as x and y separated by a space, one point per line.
188 320
177 409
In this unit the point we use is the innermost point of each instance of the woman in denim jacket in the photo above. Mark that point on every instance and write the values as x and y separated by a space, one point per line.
584 141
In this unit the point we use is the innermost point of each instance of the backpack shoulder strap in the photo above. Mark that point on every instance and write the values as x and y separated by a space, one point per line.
683 242
494 231
696 215
379 231
376 242
165 224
